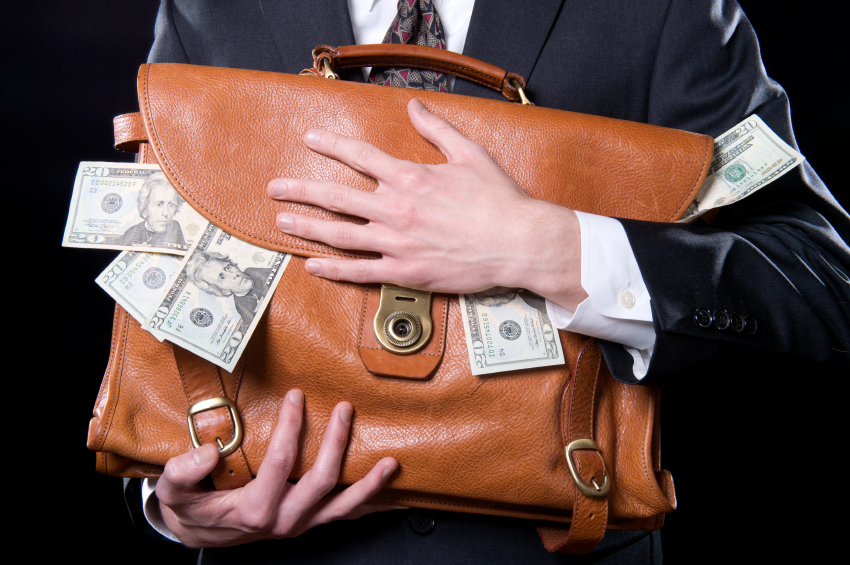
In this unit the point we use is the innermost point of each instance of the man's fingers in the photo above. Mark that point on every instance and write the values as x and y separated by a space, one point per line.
344 235
453 144
328 195
282 451
357 270
322 476
359 155
177 485
351 503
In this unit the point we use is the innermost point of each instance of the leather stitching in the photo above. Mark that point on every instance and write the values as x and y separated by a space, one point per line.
165 162
443 325
110 409
578 498
602 523
575 383
104 384
593 394
242 460
709 152
182 378
653 485
363 318
239 369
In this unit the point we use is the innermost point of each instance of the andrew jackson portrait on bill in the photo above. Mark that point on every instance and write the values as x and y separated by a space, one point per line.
218 295
129 206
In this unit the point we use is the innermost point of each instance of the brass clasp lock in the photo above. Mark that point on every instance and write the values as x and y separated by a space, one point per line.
403 321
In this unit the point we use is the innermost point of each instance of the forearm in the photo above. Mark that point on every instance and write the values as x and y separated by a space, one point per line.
545 254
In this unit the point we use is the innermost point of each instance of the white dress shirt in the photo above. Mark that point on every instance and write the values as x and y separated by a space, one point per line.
617 307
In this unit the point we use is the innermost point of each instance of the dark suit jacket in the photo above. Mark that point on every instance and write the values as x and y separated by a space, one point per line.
779 255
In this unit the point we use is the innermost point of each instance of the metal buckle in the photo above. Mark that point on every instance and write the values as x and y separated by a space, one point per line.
212 404
329 73
522 96
403 321
595 491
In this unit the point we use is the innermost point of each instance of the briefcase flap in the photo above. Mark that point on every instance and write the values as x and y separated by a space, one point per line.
222 134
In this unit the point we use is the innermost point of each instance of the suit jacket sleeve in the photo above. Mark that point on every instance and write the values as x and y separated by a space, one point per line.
779 255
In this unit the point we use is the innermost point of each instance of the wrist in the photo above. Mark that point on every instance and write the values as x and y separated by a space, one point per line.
547 256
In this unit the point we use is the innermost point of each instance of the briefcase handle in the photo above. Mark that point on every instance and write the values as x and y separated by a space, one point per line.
327 59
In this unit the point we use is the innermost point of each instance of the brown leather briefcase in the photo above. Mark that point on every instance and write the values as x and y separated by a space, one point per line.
567 445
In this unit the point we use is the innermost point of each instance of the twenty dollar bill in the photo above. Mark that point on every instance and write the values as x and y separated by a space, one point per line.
507 330
218 296
746 158
135 279
129 206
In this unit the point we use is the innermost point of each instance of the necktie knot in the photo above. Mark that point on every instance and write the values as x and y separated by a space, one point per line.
416 23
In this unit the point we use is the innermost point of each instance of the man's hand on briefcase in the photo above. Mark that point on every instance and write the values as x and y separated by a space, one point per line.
459 227
269 506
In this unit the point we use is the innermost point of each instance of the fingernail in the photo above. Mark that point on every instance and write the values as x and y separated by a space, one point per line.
201 456
345 414
420 107
387 472
313 267
278 188
296 397
285 223
311 137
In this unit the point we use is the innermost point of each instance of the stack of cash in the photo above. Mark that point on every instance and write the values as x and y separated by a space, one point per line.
191 283
181 277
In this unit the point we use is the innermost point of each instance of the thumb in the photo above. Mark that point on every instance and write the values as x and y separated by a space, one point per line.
182 474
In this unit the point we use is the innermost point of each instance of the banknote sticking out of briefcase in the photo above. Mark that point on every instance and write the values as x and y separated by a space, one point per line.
574 448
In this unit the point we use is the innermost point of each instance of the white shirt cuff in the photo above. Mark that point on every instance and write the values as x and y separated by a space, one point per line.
150 506
617 307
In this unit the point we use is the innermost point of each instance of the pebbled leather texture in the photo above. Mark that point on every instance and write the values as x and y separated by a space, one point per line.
129 130
597 165
486 444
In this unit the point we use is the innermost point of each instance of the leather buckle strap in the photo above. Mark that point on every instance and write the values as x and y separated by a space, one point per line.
590 505
211 404
209 390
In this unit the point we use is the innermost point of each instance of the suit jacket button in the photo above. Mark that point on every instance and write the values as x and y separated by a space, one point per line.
422 523
738 322
751 324
721 319
703 317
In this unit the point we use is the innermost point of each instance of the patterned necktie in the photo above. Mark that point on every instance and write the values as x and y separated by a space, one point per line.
416 23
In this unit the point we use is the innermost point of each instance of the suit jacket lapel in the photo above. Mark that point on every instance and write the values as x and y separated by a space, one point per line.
297 27
509 34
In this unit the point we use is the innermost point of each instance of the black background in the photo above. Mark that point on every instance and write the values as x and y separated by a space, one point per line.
739 450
